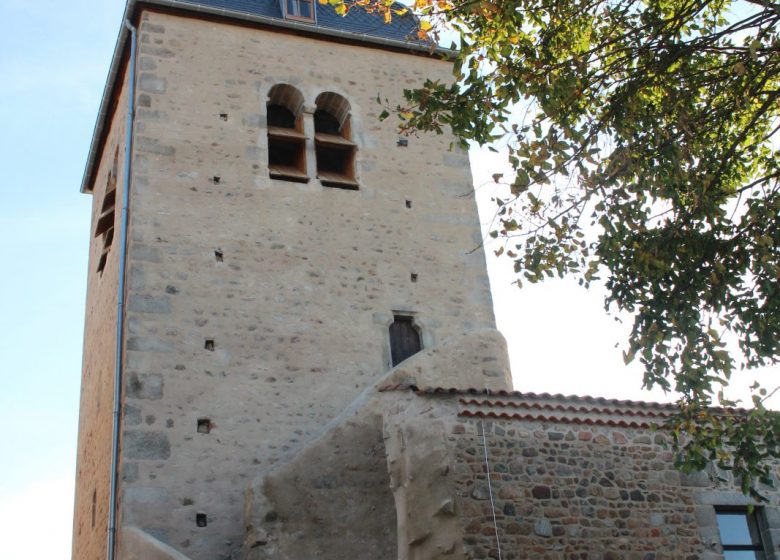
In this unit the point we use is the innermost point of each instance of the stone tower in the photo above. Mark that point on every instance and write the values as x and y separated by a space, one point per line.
284 250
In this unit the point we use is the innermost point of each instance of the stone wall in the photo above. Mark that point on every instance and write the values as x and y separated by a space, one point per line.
584 492
331 502
570 478
97 382
258 309
564 491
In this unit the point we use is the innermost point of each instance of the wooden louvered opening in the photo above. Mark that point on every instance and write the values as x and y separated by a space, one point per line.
286 145
286 140
333 143
404 339
105 225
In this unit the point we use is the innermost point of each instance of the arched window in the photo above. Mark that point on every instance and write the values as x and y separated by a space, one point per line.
286 140
404 339
333 142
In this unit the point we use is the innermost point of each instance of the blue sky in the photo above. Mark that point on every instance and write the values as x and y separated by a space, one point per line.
54 58
53 61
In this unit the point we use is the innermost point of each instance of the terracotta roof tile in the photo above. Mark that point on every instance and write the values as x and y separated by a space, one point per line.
547 407
554 419
564 408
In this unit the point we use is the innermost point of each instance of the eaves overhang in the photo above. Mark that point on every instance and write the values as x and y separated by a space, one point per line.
195 9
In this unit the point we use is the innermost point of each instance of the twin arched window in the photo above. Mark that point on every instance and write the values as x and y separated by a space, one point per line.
333 147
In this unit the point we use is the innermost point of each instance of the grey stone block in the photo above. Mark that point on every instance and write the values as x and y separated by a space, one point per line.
136 278
697 479
145 445
480 491
456 159
132 415
721 499
253 153
543 528
152 28
705 516
254 120
148 63
146 496
144 253
130 472
152 115
149 304
144 386
150 83
139 344
153 146
161 52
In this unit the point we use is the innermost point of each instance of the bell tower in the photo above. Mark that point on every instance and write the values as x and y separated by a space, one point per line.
283 249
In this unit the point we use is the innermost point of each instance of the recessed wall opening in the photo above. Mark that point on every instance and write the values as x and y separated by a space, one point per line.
333 143
413 277
108 201
209 344
201 520
287 159
218 255
408 203
403 142
102 263
282 117
105 224
286 140
204 425
405 340
94 507
223 116
216 179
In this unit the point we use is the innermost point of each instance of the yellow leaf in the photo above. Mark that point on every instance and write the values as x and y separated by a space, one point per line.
425 25
388 17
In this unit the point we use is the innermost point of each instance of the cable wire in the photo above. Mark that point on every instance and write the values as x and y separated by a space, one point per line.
490 489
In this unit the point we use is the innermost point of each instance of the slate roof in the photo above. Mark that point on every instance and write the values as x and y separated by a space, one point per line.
357 20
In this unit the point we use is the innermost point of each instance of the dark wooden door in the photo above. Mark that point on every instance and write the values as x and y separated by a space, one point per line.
404 339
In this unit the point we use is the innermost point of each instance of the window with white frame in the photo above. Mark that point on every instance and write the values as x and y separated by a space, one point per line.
302 10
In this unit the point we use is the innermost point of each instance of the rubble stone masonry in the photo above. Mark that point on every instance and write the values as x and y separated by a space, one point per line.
568 491
257 308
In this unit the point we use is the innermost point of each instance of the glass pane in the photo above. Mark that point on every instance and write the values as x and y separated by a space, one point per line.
740 555
305 8
292 8
734 529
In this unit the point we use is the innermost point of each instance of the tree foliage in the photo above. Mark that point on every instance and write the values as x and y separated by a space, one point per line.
643 139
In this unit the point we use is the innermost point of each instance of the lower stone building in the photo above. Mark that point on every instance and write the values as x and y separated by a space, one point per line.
417 471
